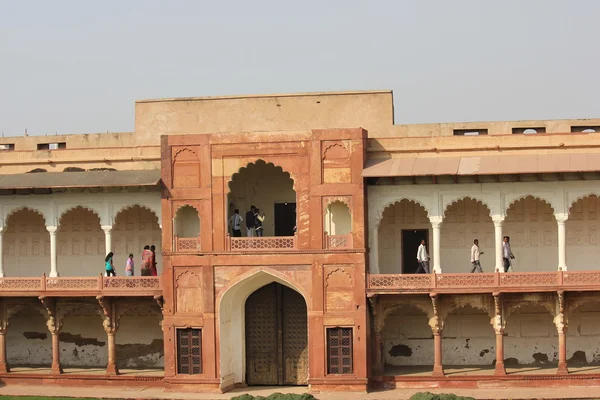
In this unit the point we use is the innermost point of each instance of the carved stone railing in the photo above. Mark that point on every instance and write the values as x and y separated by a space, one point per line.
187 244
509 282
335 242
125 286
277 243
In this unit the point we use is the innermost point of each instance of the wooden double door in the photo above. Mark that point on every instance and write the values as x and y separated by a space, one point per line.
276 337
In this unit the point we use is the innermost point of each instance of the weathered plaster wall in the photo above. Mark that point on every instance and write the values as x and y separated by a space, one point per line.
531 337
28 341
83 342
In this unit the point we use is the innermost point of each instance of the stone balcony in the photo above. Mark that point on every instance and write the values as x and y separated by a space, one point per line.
81 286
276 243
516 282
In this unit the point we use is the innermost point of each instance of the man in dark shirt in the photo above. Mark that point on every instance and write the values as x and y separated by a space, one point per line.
250 231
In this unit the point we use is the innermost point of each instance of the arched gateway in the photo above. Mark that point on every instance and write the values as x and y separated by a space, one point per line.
276 337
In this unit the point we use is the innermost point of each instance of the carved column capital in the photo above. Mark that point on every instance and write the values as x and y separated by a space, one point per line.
436 221
107 228
160 301
109 318
52 229
53 322
498 219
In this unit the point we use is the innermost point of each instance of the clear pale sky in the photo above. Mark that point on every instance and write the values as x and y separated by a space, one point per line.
78 66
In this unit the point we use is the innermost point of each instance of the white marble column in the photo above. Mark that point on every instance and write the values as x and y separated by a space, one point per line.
436 224
1 252
375 252
498 220
53 255
107 238
561 219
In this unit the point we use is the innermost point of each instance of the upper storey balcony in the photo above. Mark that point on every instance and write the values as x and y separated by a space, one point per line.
294 192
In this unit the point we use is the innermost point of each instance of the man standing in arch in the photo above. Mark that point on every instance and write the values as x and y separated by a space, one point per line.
250 221
507 255
422 258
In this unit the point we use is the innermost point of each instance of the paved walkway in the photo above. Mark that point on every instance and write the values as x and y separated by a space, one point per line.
399 394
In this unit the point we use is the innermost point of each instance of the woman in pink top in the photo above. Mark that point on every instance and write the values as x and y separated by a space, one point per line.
129 266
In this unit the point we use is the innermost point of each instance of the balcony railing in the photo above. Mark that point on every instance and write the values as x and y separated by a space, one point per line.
187 244
123 286
482 283
338 242
277 243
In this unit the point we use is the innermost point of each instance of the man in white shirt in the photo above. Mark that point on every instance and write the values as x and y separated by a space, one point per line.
235 222
422 258
475 253
507 255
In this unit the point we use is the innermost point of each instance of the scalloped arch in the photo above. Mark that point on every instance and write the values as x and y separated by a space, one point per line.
87 208
528 196
428 311
142 206
458 199
68 310
510 310
454 307
386 205
181 205
185 150
15 210
255 162
16 309
334 146
124 309
574 305
582 197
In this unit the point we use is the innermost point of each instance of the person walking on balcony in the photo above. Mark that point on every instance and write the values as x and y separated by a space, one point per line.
108 264
250 232
129 266
235 222
422 258
153 269
258 222
146 261
507 254
475 253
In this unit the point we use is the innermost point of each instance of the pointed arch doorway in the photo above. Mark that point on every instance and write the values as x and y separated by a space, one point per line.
276 337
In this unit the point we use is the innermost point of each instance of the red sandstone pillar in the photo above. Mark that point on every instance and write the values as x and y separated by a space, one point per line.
3 366
438 369
500 370
56 368
562 352
378 354
111 368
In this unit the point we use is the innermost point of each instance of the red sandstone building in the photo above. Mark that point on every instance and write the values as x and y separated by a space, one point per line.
327 298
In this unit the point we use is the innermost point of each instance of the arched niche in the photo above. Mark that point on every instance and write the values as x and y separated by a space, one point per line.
26 244
533 233
80 243
464 221
403 225
270 189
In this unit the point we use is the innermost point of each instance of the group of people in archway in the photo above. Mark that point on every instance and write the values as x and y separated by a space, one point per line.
507 257
148 263
254 223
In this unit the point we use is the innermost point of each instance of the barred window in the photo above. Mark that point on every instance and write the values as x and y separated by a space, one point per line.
339 350
189 351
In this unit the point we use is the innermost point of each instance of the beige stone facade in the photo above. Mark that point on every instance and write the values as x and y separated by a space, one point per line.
347 195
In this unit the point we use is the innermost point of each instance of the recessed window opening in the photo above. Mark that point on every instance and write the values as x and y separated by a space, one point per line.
585 129
7 147
52 146
529 131
470 132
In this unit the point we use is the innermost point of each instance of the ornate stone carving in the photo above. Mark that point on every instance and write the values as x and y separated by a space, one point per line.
53 322
435 322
